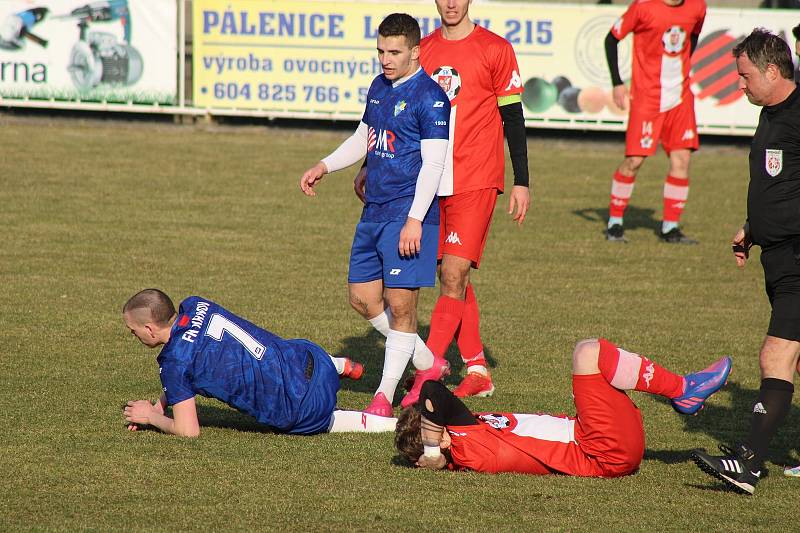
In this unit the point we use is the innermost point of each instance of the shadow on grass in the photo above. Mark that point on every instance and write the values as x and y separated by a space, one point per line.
228 418
635 217
368 349
731 424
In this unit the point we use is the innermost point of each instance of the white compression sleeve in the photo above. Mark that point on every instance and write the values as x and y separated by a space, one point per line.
350 151
434 152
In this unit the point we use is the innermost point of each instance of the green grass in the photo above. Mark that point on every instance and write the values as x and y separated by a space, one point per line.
93 211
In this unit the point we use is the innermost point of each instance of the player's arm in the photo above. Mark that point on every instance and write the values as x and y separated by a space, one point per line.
360 182
439 408
348 153
433 153
516 137
619 91
183 423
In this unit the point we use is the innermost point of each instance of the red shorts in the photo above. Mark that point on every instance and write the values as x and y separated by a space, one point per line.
464 223
676 129
605 440
608 427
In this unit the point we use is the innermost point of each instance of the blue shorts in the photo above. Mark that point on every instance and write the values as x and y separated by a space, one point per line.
317 406
375 255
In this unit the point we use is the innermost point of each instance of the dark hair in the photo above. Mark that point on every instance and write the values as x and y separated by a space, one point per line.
796 32
765 48
401 24
407 436
159 304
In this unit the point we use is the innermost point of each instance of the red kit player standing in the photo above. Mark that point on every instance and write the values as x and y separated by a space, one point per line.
478 71
665 34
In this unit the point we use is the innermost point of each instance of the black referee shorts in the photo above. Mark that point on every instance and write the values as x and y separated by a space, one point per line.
782 282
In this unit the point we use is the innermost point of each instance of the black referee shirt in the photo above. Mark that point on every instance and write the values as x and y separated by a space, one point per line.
773 197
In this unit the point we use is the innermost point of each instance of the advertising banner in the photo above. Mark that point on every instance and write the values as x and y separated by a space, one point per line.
318 58
121 51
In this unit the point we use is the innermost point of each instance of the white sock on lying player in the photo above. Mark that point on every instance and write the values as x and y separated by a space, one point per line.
423 357
358 421
338 362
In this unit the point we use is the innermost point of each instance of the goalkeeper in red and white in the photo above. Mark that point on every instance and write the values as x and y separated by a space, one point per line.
604 439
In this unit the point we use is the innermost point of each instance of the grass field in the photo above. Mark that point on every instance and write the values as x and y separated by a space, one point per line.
93 211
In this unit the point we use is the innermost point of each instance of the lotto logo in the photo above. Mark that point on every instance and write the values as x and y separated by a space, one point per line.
395 271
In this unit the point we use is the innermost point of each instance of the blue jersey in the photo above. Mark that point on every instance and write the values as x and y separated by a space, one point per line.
214 353
398 119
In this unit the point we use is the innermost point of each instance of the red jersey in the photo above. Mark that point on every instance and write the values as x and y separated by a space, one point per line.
661 50
474 72
524 443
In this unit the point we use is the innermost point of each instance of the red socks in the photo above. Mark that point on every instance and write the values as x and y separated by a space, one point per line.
468 336
625 370
621 190
445 319
676 191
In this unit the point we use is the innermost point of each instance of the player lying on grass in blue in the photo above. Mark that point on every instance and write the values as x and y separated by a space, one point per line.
289 385
604 439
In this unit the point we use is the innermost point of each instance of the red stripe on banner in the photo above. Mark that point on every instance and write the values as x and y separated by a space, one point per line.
712 68
730 98
711 47
727 79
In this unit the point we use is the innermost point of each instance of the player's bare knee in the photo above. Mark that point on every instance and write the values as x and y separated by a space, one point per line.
631 164
361 307
454 282
404 316
585 356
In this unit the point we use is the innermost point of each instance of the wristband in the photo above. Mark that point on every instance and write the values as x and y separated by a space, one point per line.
432 451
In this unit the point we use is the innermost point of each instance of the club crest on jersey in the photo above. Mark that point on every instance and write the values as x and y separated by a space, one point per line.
399 107
773 162
674 39
448 79
496 421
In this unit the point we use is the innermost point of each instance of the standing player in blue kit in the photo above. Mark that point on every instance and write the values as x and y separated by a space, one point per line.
404 133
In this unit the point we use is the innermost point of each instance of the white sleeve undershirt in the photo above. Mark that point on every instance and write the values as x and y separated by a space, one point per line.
433 152
350 151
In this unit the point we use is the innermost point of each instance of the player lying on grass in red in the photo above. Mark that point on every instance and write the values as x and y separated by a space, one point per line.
604 439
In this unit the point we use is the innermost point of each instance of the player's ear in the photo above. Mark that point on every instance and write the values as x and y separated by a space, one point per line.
415 53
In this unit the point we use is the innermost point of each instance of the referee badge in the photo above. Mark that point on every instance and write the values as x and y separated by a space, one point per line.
774 162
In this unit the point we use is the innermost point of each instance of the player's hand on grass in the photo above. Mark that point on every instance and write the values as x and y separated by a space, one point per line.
520 199
741 246
621 96
434 463
138 413
410 237
311 177
360 183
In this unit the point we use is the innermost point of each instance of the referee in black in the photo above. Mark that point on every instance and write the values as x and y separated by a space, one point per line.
766 75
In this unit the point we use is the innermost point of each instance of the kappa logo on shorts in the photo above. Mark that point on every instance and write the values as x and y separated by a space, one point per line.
773 162
453 239
688 135
395 271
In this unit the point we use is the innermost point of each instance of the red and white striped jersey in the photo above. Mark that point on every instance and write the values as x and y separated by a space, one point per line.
474 72
661 50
